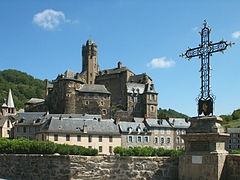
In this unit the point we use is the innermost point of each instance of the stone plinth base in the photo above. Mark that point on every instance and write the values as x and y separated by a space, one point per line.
205 152
202 167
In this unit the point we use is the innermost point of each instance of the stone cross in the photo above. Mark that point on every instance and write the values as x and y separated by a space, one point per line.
204 51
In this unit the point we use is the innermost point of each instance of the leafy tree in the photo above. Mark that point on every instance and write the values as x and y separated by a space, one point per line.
236 114
23 87
163 113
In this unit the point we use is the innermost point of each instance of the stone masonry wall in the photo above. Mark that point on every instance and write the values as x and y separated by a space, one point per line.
233 166
86 167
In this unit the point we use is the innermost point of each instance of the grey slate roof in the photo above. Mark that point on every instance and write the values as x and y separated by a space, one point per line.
179 123
113 71
157 123
31 118
35 100
233 130
133 128
75 125
135 88
94 88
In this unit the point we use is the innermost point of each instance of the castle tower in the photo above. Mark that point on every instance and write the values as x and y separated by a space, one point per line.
89 61
151 100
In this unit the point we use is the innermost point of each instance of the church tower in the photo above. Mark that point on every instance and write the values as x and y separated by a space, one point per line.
89 61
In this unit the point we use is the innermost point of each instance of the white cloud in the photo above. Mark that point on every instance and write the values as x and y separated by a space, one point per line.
161 63
50 19
236 34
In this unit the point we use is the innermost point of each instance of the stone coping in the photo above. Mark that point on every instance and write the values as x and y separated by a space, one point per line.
206 118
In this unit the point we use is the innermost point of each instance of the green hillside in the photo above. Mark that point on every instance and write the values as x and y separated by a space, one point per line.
163 113
23 87
232 120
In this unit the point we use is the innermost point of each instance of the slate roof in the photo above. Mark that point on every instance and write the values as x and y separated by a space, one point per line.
35 101
94 88
233 130
135 88
157 123
75 125
179 123
31 118
133 128
113 71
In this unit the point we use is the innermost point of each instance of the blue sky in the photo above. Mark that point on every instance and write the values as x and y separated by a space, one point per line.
44 38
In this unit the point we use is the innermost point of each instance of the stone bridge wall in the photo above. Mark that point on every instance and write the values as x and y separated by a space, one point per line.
233 167
85 167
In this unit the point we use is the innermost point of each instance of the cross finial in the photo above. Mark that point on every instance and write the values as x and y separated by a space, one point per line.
205 23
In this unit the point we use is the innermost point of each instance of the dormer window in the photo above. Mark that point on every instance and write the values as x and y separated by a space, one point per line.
138 130
160 121
130 130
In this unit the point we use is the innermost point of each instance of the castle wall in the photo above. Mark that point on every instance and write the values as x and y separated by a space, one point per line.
86 167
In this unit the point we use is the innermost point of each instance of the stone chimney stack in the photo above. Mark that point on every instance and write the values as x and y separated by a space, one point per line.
117 120
145 118
84 127
119 64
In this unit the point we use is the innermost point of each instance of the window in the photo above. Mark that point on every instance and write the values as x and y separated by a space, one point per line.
67 137
24 129
168 131
30 129
96 96
152 108
155 131
104 111
178 140
146 139
183 131
178 148
8 124
86 102
100 148
162 131
8 132
18 129
86 95
102 103
230 141
110 149
42 137
100 138
78 137
168 140
90 74
89 138
162 140
139 139
110 139
90 82
229 146
130 139
55 137
105 96
155 140
178 132
182 141
90 147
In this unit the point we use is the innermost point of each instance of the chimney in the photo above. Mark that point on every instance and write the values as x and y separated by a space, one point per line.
84 127
60 118
47 113
145 118
119 64
117 120
173 122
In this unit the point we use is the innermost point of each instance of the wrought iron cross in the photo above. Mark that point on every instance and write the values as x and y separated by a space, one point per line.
204 51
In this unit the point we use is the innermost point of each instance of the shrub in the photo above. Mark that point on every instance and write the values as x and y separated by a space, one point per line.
25 146
146 151
235 152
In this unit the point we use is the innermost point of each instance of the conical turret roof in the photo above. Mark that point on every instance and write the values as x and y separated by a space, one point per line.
10 102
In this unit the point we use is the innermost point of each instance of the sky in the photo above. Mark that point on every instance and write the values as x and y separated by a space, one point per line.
44 38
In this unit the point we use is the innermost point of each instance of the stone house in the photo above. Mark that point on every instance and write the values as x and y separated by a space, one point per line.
28 124
233 142
179 125
90 133
134 134
6 124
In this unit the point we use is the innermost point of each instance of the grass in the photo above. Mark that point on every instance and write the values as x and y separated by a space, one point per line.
231 124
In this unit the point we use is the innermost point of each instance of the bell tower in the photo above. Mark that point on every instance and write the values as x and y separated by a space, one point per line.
89 61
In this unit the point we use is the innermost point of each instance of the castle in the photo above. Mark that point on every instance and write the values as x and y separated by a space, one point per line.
95 91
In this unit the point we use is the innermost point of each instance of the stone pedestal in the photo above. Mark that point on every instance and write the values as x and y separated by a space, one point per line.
205 152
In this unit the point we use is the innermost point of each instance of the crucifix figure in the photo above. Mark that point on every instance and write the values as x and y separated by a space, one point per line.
204 51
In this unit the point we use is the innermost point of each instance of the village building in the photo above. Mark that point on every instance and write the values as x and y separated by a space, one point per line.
6 126
97 133
233 142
